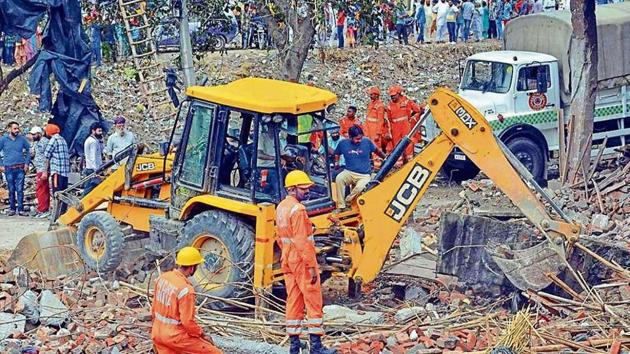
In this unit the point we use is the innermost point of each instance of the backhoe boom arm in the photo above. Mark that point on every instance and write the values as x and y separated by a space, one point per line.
388 204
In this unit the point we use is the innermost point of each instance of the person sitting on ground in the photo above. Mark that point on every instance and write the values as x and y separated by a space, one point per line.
357 152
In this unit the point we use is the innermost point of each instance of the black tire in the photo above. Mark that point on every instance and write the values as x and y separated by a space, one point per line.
459 174
237 238
100 241
530 155
218 43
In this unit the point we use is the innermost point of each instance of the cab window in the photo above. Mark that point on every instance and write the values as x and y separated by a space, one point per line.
528 77
196 149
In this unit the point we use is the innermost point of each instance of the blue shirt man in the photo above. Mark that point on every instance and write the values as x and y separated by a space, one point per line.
357 152
15 151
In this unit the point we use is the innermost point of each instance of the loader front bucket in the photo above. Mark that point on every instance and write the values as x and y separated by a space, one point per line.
528 268
53 253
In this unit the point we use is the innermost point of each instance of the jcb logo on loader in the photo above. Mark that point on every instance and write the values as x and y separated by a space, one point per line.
146 166
408 192
462 114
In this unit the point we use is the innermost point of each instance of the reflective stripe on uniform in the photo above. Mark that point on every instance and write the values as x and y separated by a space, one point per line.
182 293
288 241
373 120
316 330
294 330
400 119
315 322
293 322
166 320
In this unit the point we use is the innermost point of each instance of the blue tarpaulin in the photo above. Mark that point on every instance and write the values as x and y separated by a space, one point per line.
66 55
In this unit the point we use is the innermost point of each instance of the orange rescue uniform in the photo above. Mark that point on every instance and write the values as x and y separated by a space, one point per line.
376 125
173 311
295 233
402 116
345 123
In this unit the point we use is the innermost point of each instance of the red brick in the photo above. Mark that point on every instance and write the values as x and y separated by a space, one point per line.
397 349
471 341
402 337
376 347
428 342
615 348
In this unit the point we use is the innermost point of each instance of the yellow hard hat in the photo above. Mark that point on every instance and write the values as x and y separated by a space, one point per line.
297 178
188 256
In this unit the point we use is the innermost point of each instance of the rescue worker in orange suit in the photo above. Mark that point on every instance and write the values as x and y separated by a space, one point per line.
299 264
175 330
402 114
377 127
349 120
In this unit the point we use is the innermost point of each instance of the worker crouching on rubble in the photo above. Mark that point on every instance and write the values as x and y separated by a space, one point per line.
299 265
174 327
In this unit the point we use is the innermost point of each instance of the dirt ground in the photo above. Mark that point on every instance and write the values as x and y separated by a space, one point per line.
12 229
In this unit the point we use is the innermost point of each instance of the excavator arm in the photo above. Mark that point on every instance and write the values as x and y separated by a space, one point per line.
391 198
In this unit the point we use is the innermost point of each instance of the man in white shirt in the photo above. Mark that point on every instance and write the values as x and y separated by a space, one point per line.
93 149
441 10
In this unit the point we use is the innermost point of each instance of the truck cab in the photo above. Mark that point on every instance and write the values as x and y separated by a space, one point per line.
518 93
526 90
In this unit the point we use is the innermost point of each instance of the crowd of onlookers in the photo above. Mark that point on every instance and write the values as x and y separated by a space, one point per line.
45 151
427 21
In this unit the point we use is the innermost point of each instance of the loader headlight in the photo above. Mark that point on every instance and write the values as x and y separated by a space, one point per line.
266 118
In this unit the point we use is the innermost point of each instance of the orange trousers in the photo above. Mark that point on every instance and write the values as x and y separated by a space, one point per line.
184 344
301 295
398 132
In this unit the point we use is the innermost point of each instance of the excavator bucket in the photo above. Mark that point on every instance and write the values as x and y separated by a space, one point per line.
528 268
53 253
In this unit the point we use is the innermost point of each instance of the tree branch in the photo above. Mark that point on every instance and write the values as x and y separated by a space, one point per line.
15 73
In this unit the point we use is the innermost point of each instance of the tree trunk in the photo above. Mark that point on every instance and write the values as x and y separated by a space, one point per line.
583 83
292 50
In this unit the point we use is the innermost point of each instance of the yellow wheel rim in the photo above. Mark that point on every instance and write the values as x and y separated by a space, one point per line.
215 271
94 243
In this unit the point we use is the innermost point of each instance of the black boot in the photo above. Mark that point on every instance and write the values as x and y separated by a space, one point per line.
296 345
318 348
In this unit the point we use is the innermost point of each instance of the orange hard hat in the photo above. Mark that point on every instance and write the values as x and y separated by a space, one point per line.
395 90
374 91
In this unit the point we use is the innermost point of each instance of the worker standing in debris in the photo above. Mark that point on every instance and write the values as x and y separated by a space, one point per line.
93 149
402 114
57 161
42 187
348 121
16 156
299 264
377 127
173 310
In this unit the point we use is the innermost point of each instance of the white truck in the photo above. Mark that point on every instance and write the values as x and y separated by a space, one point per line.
524 91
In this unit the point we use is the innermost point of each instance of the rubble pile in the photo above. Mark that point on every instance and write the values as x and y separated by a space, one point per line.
71 315
347 72
602 204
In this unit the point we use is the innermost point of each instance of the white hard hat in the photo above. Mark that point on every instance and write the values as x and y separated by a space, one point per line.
36 130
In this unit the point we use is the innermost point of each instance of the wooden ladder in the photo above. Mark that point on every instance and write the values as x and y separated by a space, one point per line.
144 53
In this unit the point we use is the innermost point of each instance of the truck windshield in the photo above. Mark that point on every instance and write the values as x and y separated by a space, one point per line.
487 76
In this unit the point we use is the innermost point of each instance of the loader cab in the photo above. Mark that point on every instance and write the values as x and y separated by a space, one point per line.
241 147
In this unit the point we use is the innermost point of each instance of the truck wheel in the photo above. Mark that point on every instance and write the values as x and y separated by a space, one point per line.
227 244
218 43
530 155
459 174
100 241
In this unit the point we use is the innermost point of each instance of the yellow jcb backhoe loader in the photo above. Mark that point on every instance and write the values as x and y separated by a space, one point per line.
218 190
